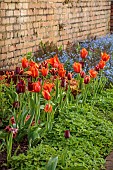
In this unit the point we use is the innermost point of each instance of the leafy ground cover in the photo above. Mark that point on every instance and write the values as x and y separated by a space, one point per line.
59 118
91 136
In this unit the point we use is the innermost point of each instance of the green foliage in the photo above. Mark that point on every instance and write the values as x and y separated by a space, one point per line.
90 141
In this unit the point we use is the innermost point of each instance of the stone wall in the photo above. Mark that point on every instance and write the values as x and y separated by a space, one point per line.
24 23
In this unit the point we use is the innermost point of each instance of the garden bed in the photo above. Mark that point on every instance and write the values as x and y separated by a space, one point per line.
57 115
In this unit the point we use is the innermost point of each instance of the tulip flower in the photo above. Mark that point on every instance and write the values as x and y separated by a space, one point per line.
53 71
62 73
25 63
36 87
82 74
97 68
77 67
54 62
69 76
105 57
12 120
48 108
82 63
67 134
102 64
63 82
20 87
48 86
33 64
83 53
45 64
93 73
34 71
17 70
46 94
44 71
16 104
30 86
87 79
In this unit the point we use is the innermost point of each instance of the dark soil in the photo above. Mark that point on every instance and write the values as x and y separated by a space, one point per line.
22 148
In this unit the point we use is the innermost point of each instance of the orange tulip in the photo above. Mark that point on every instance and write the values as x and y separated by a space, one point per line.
101 64
34 71
44 71
60 66
25 62
33 64
93 73
36 87
46 94
54 61
105 57
62 73
48 108
84 53
48 86
77 67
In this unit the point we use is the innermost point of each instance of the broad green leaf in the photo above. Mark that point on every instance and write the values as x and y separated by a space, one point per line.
52 163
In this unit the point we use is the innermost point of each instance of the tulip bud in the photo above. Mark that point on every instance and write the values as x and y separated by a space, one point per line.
17 70
20 88
63 82
82 74
30 86
69 76
67 134
87 79
82 63
97 68
16 105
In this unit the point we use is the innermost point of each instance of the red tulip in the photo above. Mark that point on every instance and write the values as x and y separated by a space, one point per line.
16 104
69 76
63 82
87 79
67 134
97 68
17 70
82 74
84 53
36 87
30 86
20 87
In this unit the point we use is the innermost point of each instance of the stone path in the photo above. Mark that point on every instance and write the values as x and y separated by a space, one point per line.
109 161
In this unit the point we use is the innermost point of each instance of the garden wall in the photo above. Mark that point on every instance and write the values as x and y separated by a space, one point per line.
111 20
24 23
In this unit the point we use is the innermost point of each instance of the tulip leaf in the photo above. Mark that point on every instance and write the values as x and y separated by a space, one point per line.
52 163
